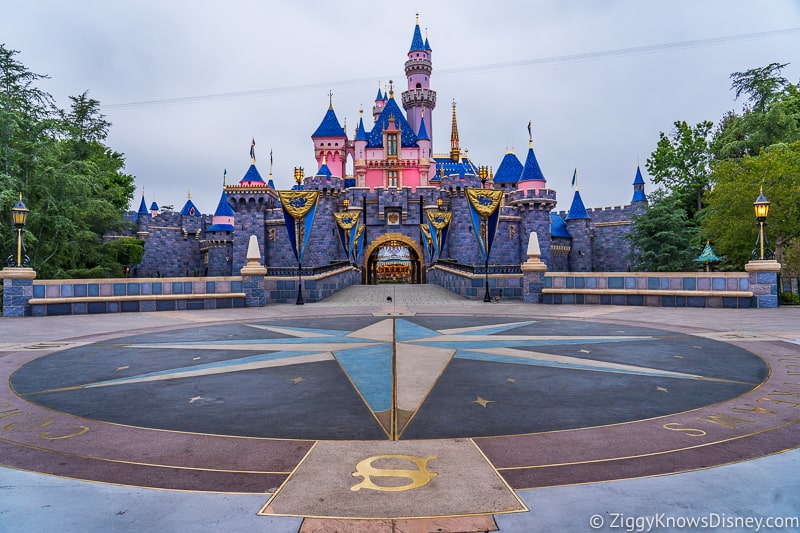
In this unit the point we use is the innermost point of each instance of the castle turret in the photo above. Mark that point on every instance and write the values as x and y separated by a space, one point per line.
218 244
419 100
379 103
330 142
638 187
531 176
578 224
455 148
508 172
153 209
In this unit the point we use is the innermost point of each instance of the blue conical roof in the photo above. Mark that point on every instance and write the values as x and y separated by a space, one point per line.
423 131
324 171
510 169
223 207
143 207
638 187
380 95
154 206
558 228
577 209
391 109
251 175
189 209
329 127
427 45
417 44
361 132
531 171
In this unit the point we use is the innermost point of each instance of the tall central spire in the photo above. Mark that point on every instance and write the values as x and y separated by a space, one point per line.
455 149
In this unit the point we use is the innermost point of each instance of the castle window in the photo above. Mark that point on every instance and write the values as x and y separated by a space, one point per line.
392 178
391 145
419 86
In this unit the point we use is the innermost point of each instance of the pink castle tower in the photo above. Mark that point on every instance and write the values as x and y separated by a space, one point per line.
419 100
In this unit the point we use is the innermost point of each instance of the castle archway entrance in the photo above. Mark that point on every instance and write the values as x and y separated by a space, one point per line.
393 258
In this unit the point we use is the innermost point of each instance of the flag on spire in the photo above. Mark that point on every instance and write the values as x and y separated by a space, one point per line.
575 179
530 134
253 151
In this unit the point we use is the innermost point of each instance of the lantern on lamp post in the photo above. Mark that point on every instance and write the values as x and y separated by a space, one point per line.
761 209
19 215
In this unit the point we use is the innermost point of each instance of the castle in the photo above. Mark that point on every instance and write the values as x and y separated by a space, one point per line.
389 173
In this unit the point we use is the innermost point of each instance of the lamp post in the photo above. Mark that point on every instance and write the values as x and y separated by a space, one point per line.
19 214
439 203
346 204
761 208
483 174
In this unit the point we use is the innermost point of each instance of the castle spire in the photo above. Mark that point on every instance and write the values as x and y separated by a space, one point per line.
455 150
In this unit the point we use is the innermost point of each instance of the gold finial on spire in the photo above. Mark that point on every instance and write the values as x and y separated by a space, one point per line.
253 151
345 126
361 110
391 89
330 99
188 194
225 177
455 149
417 18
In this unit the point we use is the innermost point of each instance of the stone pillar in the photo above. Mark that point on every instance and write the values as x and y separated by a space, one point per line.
763 276
17 290
533 272
253 282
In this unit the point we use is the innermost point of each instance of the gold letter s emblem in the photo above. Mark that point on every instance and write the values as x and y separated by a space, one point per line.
418 477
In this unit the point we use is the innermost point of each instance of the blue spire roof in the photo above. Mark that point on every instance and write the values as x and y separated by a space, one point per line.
329 127
558 228
407 136
427 45
154 206
380 95
189 209
271 184
252 175
423 131
531 171
324 171
510 169
638 187
223 207
577 209
143 207
361 133
417 44
639 180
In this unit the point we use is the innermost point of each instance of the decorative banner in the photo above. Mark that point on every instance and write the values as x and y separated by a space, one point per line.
439 226
484 209
346 221
299 208
358 244
427 240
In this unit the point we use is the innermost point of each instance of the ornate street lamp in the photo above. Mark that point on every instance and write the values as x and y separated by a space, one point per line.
483 174
761 208
298 177
346 204
439 203
19 214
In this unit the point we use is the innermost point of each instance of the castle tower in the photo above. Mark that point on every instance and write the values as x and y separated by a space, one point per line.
330 143
578 224
532 176
419 100
218 244
638 187
379 103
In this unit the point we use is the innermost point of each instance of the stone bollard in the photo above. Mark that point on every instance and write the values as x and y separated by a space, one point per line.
253 282
763 276
533 272
17 290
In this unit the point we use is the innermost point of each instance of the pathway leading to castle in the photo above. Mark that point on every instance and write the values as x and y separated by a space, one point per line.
393 403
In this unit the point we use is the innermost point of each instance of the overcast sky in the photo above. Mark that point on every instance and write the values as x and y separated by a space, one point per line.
186 85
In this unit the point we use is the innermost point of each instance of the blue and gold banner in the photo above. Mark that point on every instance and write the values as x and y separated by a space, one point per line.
358 243
346 222
299 208
427 241
439 225
484 209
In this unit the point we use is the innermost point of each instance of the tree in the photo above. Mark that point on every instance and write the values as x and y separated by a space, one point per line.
762 85
681 164
664 239
729 221
72 183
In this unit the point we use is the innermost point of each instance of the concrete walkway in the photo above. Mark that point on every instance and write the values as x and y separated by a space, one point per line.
760 494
